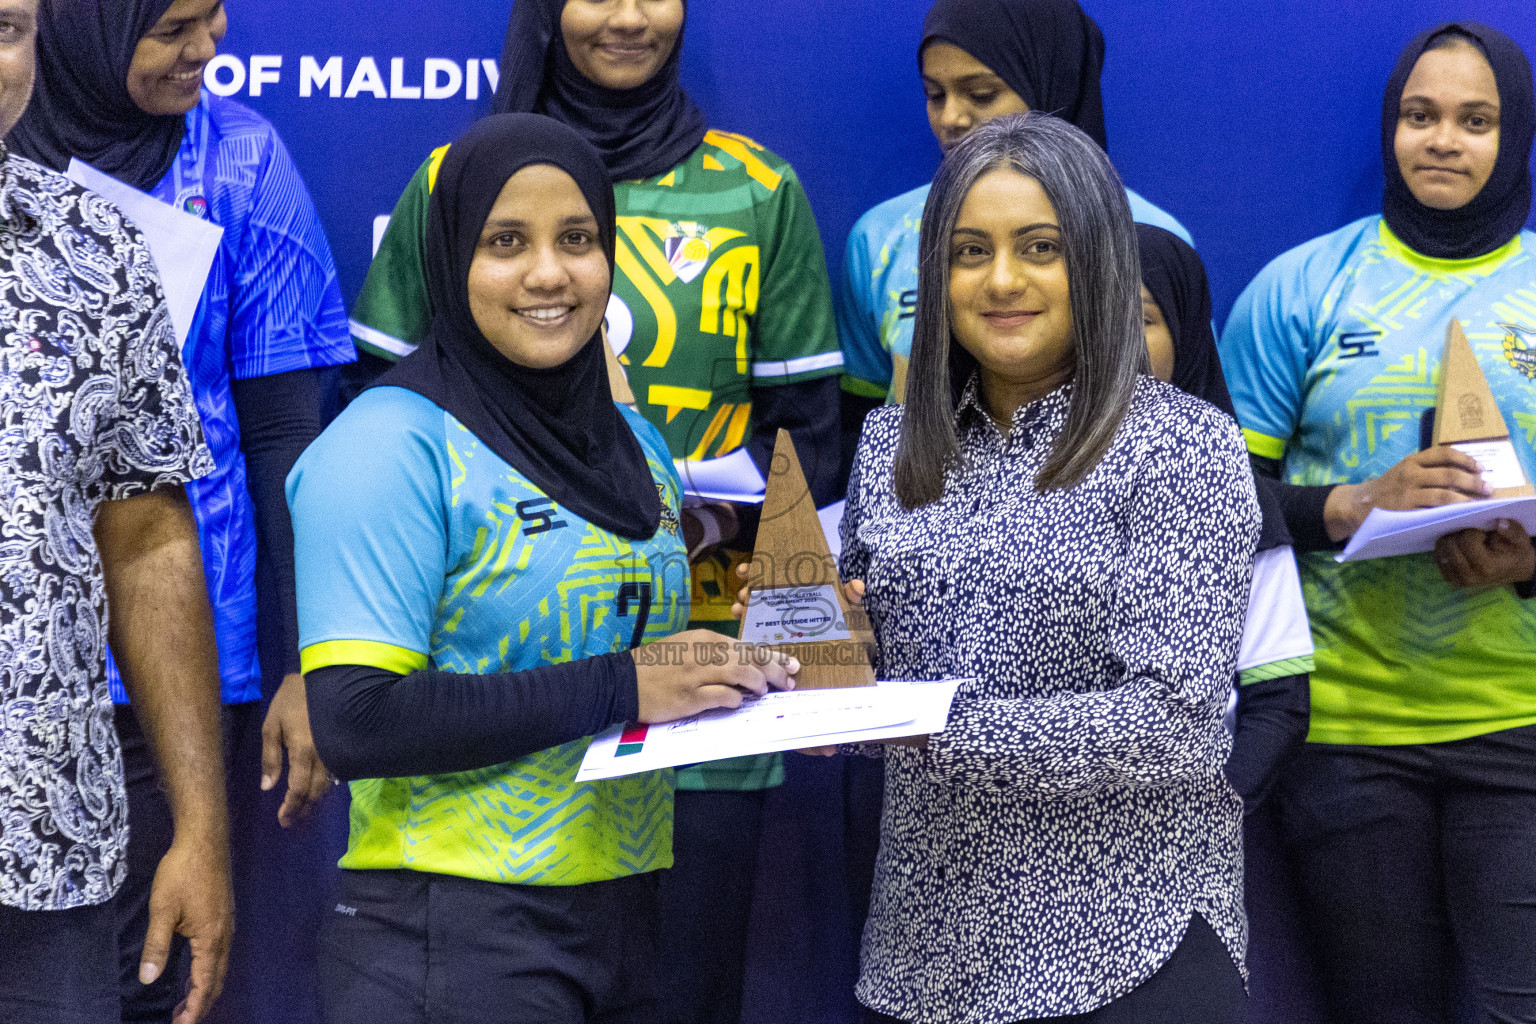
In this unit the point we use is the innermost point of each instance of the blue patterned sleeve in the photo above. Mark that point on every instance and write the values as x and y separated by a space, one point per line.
286 311
1180 597
866 363
1264 354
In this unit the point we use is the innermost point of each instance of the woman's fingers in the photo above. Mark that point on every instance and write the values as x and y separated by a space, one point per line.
854 591
1460 479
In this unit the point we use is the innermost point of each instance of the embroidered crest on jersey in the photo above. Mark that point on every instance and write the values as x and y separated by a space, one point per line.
687 246
1518 351
192 201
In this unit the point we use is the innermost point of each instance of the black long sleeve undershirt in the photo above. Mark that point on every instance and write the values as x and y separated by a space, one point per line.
279 416
809 410
369 723
1273 716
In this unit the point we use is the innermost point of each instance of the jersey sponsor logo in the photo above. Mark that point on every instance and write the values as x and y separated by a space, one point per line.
539 520
1518 350
1359 344
669 521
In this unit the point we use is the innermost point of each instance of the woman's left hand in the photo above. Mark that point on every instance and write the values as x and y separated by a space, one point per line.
1486 558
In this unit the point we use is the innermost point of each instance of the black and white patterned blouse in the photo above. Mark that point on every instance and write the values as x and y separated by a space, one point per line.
1043 855
94 406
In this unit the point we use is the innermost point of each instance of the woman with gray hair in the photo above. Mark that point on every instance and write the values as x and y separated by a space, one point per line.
1046 519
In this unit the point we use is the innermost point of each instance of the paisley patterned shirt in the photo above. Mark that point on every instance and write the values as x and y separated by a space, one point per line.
94 406
1043 855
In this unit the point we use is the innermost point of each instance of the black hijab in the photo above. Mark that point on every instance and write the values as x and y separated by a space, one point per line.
80 103
559 427
640 132
1498 212
1048 51
1173 273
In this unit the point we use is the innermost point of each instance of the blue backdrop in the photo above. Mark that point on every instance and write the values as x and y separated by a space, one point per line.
1255 123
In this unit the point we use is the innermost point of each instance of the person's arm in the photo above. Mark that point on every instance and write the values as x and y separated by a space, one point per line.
279 417
1271 724
795 356
866 376
1180 598
392 312
161 633
287 334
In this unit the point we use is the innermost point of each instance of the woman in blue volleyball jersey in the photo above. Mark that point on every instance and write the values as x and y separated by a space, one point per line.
119 86
1410 813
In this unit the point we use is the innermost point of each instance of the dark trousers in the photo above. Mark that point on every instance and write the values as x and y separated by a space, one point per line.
151 831
1199 984
409 947
58 966
1416 865
706 901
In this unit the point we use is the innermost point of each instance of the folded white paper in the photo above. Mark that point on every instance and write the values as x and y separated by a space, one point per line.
1384 533
183 246
778 721
732 477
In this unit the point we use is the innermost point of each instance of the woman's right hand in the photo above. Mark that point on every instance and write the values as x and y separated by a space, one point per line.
700 670
1439 475
853 591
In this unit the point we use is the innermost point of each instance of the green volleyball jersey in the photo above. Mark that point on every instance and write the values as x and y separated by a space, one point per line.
721 286
1332 355
418 546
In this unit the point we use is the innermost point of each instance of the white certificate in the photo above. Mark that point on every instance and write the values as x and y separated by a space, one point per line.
183 246
1384 534
778 721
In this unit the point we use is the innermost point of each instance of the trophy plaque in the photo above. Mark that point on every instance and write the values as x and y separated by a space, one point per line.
1468 419
796 602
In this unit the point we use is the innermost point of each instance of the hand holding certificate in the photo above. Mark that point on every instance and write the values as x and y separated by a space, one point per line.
774 722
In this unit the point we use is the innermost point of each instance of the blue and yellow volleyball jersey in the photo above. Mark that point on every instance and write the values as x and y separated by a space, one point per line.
1332 354
877 300
418 546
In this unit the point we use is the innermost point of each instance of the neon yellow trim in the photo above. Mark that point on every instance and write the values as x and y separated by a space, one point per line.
435 164
1481 265
736 145
682 398
666 316
361 652
855 386
1277 669
1264 446
722 416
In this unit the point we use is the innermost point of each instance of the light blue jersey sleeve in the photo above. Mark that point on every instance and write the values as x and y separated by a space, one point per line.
370 533
1264 353
1143 212
866 363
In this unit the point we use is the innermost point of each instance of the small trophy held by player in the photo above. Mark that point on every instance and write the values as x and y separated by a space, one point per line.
1468 419
795 599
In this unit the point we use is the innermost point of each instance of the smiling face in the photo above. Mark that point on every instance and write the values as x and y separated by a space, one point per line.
168 63
538 285
1448 127
620 44
1010 306
963 93
18 44
1159 337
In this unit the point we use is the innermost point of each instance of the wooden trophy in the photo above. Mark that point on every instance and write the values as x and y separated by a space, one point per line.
899 367
796 602
1468 418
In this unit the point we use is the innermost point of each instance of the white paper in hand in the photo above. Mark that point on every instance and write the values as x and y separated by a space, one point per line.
183 246
1384 534
779 721
732 477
